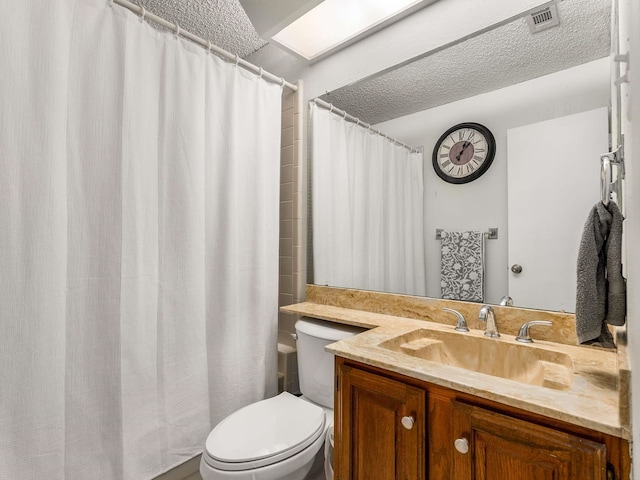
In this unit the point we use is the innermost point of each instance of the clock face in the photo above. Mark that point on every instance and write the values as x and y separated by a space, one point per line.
463 153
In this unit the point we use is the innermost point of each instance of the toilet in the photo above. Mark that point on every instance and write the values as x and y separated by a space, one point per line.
281 438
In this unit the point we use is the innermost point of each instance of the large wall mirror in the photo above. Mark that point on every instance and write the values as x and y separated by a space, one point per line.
546 98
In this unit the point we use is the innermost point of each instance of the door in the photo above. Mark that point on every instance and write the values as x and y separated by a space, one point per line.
545 222
503 448
380 431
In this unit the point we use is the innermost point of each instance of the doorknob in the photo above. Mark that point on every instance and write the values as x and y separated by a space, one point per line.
515 268
407 422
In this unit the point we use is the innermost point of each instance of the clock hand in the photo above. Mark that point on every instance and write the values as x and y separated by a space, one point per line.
465 144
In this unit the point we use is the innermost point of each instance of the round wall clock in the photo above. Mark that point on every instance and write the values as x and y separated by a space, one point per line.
464 152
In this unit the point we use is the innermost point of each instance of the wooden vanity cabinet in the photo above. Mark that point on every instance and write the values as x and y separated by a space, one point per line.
375 440
502 447
382 427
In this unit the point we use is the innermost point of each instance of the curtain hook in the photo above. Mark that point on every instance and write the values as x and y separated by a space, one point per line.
209 47
143 13
344 116
283 82
261 72
330 107
357 121
177 30
237 59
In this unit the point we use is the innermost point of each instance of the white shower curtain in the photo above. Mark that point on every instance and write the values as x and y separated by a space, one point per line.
367 208
139 183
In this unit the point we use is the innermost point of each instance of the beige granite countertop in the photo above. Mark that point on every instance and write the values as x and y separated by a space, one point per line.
593 400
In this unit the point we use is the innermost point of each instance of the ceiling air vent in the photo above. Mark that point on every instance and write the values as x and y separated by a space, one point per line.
542 19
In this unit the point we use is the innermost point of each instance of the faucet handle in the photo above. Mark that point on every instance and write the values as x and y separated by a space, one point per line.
523 334
462 322
506 301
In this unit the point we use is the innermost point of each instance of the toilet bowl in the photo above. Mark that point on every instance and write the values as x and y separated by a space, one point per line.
278 438
281 438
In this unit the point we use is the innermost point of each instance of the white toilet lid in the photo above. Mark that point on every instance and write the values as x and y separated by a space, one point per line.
265 432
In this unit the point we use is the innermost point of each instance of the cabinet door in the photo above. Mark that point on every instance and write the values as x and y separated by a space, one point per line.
380 431
502 448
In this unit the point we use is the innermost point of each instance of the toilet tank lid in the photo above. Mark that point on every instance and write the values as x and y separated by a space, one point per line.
325 329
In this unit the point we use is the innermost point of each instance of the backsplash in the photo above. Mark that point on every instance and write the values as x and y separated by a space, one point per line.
509 319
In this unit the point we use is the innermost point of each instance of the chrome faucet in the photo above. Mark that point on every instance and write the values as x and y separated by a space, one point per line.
486 315
506 301
462 322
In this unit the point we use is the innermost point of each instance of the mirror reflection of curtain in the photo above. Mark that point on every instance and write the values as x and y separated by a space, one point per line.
139 243
368 208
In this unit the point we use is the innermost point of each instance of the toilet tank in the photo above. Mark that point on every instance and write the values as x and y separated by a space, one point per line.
315 365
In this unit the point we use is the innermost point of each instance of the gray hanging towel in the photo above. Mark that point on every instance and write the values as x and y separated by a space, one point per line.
462 266
600 254
616 283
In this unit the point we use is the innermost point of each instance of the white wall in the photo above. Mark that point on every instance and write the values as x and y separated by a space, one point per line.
631 39
482 204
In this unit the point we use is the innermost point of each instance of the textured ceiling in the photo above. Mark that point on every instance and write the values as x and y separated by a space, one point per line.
503 56
222 22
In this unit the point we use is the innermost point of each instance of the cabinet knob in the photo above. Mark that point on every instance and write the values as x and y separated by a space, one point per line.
516 268
462 445
407 422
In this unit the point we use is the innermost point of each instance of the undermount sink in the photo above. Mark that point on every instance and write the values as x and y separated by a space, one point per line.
500 358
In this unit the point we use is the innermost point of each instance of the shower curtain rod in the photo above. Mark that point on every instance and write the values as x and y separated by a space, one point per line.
357 121
144 14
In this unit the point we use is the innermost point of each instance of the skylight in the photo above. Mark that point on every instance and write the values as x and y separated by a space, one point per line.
334 23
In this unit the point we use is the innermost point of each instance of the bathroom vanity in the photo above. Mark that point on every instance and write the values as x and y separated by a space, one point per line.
417 400
394 426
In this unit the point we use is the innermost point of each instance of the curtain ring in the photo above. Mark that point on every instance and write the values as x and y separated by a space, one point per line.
209 47
344 117
177 30
261 72
330 107
237 59
357 121
283 82
143 13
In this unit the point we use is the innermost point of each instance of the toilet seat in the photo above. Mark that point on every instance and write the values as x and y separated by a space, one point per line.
264 433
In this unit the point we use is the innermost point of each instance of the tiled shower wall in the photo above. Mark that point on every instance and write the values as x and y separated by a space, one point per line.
292 221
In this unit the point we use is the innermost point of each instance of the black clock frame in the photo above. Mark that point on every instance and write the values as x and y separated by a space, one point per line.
491 153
